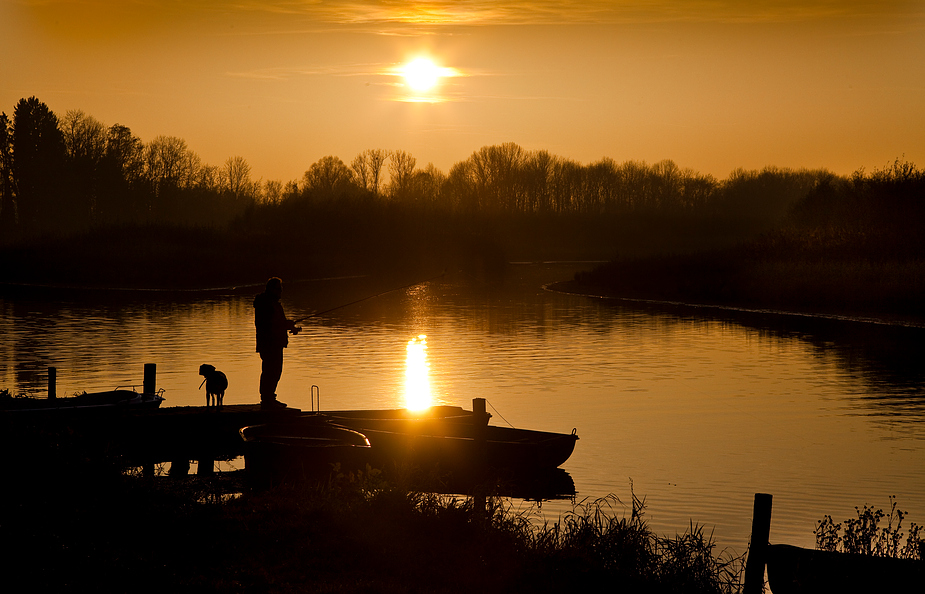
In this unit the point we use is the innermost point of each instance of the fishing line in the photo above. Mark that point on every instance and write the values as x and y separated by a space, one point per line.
414 284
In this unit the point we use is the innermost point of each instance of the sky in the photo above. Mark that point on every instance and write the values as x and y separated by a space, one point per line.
712 85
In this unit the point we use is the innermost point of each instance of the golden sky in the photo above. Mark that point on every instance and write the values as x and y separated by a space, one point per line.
711 84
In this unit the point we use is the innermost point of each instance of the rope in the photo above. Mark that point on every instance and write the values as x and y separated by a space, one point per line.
496 411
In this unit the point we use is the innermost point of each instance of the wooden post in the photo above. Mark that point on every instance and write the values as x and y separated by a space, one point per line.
178 469
150 381
52 383
479 422
758 547
206 467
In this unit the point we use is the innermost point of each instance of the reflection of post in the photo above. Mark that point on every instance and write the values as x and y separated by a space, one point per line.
52 383
758 547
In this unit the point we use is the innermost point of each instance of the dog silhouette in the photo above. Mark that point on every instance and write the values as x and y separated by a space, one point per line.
216 384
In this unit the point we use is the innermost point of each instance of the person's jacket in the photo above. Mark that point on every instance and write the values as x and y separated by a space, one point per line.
272 325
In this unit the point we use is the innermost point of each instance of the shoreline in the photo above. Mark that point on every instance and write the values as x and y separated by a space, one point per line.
573 287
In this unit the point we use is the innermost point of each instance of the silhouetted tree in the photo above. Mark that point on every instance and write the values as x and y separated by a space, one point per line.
38 165
170 167
401 166
236 176
85 147
272 192
367 168
7 203
122 195
536 177
425 185
328 178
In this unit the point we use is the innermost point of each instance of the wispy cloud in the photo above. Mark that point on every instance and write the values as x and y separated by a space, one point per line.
547 12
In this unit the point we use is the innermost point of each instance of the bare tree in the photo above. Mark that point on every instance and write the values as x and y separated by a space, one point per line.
367 166
272 192
328 177
169 163
401 166
209 178
236 177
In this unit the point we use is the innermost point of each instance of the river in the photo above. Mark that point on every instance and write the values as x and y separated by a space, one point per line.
694 409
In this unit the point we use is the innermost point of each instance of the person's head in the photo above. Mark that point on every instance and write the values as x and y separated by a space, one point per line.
275 287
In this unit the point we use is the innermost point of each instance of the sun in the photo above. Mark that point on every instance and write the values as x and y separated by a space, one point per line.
421 74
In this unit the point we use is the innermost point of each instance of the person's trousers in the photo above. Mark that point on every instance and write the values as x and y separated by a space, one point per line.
270 371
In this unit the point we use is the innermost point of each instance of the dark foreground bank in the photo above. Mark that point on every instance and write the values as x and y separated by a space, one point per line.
352 533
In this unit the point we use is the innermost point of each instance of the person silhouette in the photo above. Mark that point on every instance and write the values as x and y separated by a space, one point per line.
272 337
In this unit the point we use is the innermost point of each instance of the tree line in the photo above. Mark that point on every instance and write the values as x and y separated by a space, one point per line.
74 173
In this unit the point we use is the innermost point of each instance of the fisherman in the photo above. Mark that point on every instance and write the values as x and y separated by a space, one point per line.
272 337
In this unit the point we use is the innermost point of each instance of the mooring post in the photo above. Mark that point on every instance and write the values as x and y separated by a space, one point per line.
206 467
758 547
479 423
178 469
52 383
150 381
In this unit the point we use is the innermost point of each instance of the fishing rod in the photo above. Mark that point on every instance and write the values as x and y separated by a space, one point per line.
420 282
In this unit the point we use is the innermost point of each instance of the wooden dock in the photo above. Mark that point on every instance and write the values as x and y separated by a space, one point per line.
143 438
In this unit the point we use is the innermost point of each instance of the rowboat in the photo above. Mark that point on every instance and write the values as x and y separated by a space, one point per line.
455 442
795 570
107 400
288 451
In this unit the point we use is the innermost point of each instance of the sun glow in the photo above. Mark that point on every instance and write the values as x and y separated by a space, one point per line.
417 375
421 74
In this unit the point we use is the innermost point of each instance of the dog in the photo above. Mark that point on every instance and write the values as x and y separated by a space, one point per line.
216 384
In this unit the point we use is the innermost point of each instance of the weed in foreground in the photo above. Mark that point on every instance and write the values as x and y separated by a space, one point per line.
864 535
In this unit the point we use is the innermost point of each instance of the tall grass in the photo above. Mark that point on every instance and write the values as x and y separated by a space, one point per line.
352 533
864 535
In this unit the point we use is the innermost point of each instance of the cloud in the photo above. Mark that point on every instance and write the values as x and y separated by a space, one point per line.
101 19
551 12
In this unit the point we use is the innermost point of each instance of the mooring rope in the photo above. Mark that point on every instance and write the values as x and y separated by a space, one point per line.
499 414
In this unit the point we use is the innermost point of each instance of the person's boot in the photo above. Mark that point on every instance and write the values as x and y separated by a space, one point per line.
271 402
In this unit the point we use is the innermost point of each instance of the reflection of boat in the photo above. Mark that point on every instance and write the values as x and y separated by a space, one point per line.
112 399
287 450
796 570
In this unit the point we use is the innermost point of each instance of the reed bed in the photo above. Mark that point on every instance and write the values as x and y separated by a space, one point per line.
352 533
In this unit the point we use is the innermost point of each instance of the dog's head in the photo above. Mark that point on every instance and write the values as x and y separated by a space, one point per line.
206 369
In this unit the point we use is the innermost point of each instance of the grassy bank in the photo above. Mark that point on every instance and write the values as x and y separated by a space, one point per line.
350 534
890 291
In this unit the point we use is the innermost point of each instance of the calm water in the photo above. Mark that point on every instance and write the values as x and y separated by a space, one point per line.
699 409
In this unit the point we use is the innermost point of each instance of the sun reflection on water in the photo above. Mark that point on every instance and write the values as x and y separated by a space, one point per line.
417 375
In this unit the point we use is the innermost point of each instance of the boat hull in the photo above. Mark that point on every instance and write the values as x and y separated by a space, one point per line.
296 451
795 570
457 442
93 401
